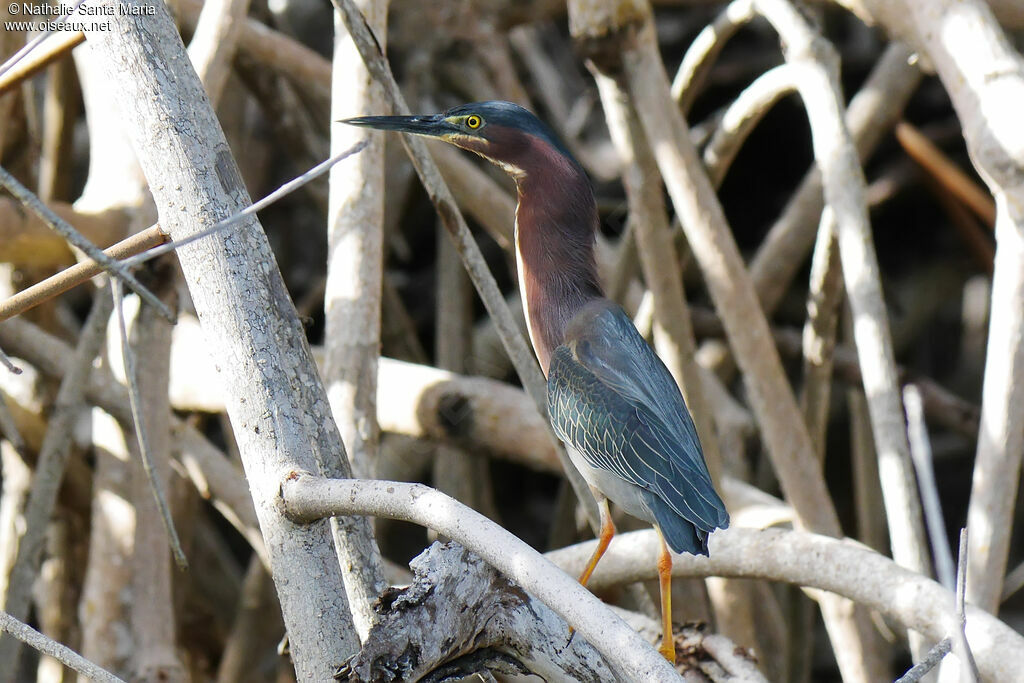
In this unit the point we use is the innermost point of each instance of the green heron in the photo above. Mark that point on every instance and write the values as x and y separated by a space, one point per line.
610 398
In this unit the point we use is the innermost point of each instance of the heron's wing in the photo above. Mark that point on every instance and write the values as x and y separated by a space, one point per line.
614 400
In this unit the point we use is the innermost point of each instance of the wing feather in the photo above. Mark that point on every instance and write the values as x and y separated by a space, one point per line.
612 398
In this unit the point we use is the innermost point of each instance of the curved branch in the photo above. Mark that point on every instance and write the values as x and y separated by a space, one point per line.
305 498
815 65
699 59
839 566
743 115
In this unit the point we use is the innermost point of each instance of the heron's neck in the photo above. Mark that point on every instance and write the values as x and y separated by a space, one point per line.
556 221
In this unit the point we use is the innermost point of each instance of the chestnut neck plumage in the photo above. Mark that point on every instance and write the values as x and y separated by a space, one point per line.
556 224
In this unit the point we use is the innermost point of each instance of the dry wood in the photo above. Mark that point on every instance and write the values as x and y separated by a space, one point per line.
213 475
352 299
307 498
842 567
78 274
27 241
152 610
459 611
843 184
106 590
214 41
275 399
788 442
53 457
984 77
871 113
819 338
44 54
37 640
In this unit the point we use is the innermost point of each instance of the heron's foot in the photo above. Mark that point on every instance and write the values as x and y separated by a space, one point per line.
668 651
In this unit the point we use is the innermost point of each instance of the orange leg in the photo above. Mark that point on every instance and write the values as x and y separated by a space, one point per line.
607 531
668 642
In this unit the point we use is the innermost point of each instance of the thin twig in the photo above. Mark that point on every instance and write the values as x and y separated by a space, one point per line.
55 285
48 646
945 172
930 661
145 453
6 361
921 452
284 190
41 57
68 232
31 45
968 667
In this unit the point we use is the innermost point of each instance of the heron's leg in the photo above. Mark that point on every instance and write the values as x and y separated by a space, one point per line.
607 531
668 641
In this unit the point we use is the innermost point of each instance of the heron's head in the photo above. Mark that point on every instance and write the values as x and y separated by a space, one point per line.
501 132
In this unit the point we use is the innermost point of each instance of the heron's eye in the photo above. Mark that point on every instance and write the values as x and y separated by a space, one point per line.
473 121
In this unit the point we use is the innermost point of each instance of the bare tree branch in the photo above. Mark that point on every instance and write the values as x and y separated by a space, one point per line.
840 566
984 77
65 655
275 397
68 232
352 299
308 498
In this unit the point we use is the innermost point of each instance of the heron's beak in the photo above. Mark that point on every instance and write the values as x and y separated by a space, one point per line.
432 126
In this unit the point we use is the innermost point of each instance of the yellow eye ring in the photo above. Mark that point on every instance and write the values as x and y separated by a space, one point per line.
473 121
